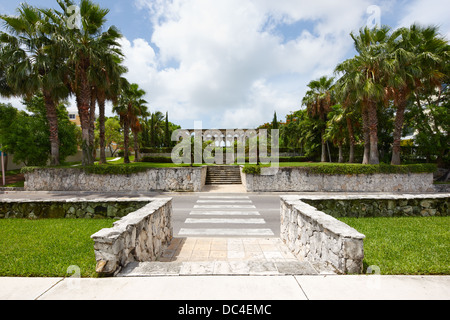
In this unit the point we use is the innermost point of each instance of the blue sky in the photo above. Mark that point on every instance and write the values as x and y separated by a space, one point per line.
232 63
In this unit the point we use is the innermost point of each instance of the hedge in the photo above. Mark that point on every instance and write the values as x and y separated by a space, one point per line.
118 169
351 169
316 168
157 159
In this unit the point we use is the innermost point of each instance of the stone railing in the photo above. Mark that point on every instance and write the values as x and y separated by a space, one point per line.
140 236
296 179
77 208
191 179
381 205
319 238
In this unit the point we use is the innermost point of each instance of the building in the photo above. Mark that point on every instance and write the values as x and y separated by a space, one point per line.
74 116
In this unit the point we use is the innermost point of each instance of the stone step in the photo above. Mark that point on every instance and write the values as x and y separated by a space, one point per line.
244 268
223 175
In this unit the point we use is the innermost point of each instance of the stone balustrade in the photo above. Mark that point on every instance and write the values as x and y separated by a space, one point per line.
297 179
190 179
319 238
141 236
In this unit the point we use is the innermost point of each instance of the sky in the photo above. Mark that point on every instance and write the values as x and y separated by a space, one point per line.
233 63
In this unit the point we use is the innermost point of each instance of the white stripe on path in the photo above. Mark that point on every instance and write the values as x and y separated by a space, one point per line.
224 206
226 221
225 213
224 201
225 232
224 197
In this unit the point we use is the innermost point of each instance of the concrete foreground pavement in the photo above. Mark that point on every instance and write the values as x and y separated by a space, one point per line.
330 287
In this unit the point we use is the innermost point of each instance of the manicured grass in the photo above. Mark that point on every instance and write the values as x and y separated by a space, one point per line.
407 245
19 184
46 248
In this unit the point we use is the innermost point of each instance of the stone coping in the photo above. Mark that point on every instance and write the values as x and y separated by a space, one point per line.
78 200
371 196
324 220
140 236
109 235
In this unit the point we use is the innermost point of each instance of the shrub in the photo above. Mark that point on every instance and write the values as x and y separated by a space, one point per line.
157 159
351 169
344 169
252 169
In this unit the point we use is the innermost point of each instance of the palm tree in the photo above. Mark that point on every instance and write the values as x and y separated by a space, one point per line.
420 56
345 94
336 130
127 107
318 101
107 86
365 74
140 112
85 49
31 63
167 134
157 129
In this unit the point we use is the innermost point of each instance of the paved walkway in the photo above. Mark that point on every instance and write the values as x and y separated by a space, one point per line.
229 288
222 256
225 215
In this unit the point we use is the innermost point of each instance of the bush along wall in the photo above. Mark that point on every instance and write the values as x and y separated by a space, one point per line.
360 208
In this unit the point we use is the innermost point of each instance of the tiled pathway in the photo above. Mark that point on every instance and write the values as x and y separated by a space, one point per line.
222 256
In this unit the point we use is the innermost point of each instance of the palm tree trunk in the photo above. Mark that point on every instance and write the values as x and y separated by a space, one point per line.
351 136
136 147
101 107
126 139
92 123
341 156
52 119
366 133
323 157
84 103
398 130
373 129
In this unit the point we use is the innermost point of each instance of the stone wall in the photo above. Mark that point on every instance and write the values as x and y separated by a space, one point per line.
289 179
420 205
70 209
140 236
319 238
155 179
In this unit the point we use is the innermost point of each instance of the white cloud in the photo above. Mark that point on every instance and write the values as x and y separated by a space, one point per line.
224 63
430 12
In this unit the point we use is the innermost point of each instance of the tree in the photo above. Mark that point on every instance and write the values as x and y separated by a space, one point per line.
141 112
365 75
336 128
32 63
27 135
127 107
107 85
167 133
275 124
318 100
420 56
429 115
85 49
157 129
113 135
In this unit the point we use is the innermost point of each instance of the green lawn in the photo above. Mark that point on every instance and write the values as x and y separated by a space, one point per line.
407 245
46 248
